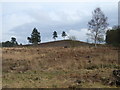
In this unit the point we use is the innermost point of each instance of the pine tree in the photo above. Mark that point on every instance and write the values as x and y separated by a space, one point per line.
35 37
64 34
13 41
55 35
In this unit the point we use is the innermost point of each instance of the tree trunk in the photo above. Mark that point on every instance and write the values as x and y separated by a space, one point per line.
96 40
95 44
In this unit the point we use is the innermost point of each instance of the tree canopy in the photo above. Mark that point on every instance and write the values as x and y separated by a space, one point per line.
11 43
55 35
97 26
35 37
113 36
64 34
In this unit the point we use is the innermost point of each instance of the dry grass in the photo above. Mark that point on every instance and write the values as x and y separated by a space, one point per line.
58 67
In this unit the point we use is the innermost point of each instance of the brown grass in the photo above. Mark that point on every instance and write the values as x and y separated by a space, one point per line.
58 67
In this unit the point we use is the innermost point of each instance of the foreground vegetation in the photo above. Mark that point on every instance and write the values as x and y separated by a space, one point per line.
78 67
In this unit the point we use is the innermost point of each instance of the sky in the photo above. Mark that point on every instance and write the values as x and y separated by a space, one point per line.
19 18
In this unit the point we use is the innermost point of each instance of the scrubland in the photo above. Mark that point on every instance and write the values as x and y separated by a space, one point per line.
58 67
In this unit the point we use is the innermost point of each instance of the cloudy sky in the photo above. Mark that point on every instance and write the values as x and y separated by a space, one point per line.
19 18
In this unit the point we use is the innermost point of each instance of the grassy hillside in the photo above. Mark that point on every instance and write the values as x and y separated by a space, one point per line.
63 43
56 67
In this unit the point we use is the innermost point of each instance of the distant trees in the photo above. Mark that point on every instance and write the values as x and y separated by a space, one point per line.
64 34
7 44
97 26
55 35
11 43
113 36
35 37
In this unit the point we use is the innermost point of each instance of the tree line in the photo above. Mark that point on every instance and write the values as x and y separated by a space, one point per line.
11 43
97 28
113 36
35 38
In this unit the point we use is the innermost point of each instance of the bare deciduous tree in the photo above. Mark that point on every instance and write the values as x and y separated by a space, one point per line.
97 25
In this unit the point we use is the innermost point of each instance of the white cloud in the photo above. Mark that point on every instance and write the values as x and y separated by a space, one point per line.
80 35
65 16
14 20
54 16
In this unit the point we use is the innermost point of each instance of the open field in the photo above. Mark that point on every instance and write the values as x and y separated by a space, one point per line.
58 67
